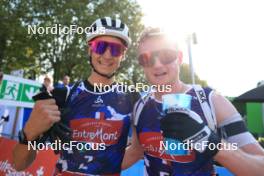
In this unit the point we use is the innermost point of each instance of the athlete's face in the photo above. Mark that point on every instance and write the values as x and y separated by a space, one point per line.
161 61
104 60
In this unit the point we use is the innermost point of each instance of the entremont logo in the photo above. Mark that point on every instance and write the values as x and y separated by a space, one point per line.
97 130
98 135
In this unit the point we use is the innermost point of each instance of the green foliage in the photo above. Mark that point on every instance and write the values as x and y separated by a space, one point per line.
65 53
16 47
61 53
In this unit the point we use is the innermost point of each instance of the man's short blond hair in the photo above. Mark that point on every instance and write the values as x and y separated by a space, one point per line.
151 32
49 78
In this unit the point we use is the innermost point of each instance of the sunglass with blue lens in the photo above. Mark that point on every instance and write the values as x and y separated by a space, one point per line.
165 56
100 46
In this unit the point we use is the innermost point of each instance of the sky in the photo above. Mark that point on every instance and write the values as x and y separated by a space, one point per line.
229 52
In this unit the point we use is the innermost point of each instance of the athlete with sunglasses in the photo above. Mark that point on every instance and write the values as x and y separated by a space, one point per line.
99 120
211 121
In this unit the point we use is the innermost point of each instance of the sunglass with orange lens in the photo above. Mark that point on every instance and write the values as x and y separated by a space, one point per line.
100 46
165 56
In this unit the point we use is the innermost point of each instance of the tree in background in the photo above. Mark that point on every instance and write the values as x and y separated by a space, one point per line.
65 53
61 53
16 47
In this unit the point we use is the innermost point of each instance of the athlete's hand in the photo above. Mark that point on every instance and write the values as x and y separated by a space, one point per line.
44 114
187 126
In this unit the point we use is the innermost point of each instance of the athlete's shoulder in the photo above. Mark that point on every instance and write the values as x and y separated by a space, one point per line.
205 92
208 89
77 85
143 99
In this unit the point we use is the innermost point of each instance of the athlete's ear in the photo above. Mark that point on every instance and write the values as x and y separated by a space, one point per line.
89 50
179 57
124 55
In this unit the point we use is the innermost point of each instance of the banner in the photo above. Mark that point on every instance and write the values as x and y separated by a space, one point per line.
44 163
15 91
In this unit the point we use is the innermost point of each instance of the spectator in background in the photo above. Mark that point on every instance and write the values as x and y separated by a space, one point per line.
47 84
66 81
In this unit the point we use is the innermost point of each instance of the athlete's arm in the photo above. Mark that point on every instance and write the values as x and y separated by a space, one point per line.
133 153
22 157
44 114
249 158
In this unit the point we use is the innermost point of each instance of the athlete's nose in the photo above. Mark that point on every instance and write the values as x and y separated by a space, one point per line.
107 54
157 62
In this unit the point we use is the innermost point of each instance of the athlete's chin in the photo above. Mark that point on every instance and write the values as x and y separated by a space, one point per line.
106 72
156 81
106 69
